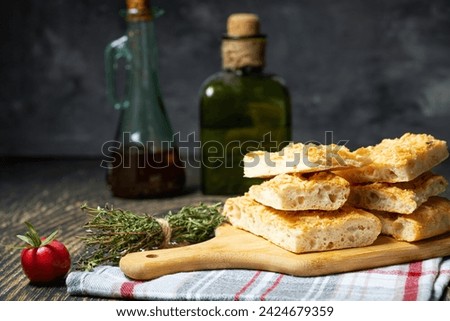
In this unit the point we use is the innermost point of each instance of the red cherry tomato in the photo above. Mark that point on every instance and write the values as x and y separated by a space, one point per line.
44 259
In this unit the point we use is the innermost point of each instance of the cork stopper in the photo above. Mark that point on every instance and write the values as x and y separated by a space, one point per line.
243 25
243 45
137 4
138 10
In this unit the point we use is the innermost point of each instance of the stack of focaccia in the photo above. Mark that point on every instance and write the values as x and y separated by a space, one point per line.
325 197
400 189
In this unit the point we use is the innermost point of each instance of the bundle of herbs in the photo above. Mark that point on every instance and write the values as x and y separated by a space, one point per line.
113 232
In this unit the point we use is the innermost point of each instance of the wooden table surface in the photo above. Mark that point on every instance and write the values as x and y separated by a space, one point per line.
49 193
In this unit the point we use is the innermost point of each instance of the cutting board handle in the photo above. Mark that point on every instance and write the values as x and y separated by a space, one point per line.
212 254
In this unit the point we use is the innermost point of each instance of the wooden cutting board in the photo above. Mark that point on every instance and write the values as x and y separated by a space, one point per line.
232 248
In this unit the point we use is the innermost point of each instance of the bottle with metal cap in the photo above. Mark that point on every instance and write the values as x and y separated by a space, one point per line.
143 161
242 108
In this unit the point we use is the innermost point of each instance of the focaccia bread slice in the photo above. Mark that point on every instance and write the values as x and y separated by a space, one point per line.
302 158
430 219
294 192
403 198
304 231
399 159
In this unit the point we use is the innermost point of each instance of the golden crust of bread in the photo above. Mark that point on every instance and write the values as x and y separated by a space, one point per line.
399 159
293 192
304 231
431 219
403 198
302 158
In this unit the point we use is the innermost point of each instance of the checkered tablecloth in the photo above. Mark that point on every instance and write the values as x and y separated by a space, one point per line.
423 280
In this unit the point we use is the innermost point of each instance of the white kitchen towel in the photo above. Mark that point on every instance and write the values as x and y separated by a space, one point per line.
422 280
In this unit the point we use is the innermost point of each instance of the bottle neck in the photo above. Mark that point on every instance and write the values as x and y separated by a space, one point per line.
245 70
146 103
143 50
243 52
140 32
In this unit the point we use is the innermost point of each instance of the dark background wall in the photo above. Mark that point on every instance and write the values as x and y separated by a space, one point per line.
362 69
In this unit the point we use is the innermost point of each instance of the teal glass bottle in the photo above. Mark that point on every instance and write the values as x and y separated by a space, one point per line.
144 161
242 108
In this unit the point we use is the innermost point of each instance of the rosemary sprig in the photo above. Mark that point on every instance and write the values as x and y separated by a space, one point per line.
111 233
194 224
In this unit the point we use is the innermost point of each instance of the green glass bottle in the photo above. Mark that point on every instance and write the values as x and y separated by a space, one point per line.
242 108
143 161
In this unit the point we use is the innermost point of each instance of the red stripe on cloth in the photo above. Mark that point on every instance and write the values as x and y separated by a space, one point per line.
274 285
127 289
402 273
412 281
246 286
444 272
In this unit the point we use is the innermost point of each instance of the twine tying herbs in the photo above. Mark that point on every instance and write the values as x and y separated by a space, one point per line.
166 230
111 233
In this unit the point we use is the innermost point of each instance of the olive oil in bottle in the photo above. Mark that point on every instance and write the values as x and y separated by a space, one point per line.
146 162
242 108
